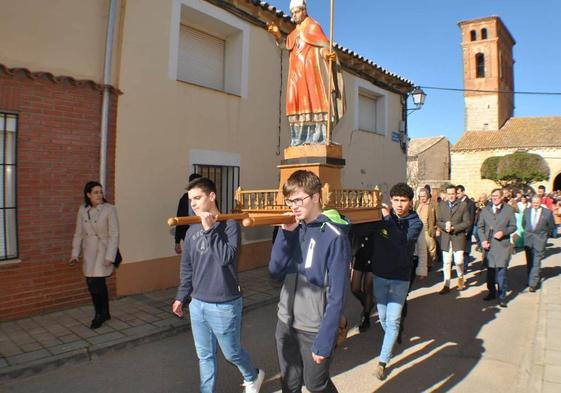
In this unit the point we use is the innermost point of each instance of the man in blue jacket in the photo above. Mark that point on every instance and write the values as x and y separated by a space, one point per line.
395 240
313 257
208 273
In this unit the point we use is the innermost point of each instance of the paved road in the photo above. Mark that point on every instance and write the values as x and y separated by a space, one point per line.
454 342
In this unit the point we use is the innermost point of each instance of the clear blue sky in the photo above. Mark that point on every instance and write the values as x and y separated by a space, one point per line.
420 40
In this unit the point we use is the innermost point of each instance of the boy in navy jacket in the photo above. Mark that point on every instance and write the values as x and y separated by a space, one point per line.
313 257
208 273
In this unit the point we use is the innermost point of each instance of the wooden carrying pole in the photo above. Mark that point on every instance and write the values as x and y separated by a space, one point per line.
269 219
248 220
356 216
330 70
190 220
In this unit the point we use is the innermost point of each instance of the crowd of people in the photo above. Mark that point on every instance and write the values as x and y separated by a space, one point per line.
508 221
321 255
318 258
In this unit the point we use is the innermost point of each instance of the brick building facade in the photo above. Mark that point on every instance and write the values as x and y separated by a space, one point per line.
58 145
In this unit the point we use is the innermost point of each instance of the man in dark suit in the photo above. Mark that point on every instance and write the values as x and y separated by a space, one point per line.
452 218
495 225
461 190
537 223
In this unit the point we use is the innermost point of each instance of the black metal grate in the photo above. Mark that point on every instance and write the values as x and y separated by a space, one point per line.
227 180
8 185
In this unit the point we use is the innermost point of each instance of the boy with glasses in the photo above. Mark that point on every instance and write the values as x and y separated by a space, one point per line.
312 256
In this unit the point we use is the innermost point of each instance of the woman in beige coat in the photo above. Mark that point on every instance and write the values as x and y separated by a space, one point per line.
97 239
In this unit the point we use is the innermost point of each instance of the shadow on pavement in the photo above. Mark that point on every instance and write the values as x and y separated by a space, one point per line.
440 341
551 251
442 338
438 337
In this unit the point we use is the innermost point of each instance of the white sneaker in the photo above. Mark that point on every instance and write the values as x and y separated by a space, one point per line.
255 386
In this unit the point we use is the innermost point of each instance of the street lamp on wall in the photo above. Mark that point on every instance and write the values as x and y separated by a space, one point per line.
418 96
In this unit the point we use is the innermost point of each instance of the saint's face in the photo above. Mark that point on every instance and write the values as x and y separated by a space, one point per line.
423 197
298 14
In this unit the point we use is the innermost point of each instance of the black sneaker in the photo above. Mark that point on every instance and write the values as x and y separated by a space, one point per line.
489 297
364 322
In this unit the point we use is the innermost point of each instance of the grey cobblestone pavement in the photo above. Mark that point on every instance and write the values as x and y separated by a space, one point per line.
46 341
531 364
545 376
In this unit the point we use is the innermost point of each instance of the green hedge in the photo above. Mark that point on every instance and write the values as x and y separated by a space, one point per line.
519 168
489 168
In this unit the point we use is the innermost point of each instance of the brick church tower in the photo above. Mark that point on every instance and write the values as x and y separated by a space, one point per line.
488 65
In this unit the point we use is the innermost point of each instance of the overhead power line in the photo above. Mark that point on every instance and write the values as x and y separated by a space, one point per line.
543 93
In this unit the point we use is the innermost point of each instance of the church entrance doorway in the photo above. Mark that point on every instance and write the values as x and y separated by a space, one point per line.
557 182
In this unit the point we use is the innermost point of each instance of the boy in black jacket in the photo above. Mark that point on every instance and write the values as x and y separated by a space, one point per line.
395 238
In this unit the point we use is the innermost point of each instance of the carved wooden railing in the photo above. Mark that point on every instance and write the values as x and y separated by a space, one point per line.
259 200
341 199
351 198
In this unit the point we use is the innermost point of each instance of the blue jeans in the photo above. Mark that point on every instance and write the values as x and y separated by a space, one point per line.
218 322
390 296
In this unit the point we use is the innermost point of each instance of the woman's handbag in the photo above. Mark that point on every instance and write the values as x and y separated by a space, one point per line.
118 259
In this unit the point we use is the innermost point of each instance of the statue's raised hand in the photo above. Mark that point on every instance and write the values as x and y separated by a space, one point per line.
273 28
330 56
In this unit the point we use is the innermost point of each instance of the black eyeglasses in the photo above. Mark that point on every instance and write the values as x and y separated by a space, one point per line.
296 202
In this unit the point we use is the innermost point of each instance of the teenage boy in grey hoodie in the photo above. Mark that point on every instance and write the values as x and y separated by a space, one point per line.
313 257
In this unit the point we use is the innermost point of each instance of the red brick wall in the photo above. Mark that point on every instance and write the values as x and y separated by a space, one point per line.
57 153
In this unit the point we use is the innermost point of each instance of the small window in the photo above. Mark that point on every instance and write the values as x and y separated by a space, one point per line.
8 217
367 112
483 34
227 180
480 65
473 35
201 58
209 47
